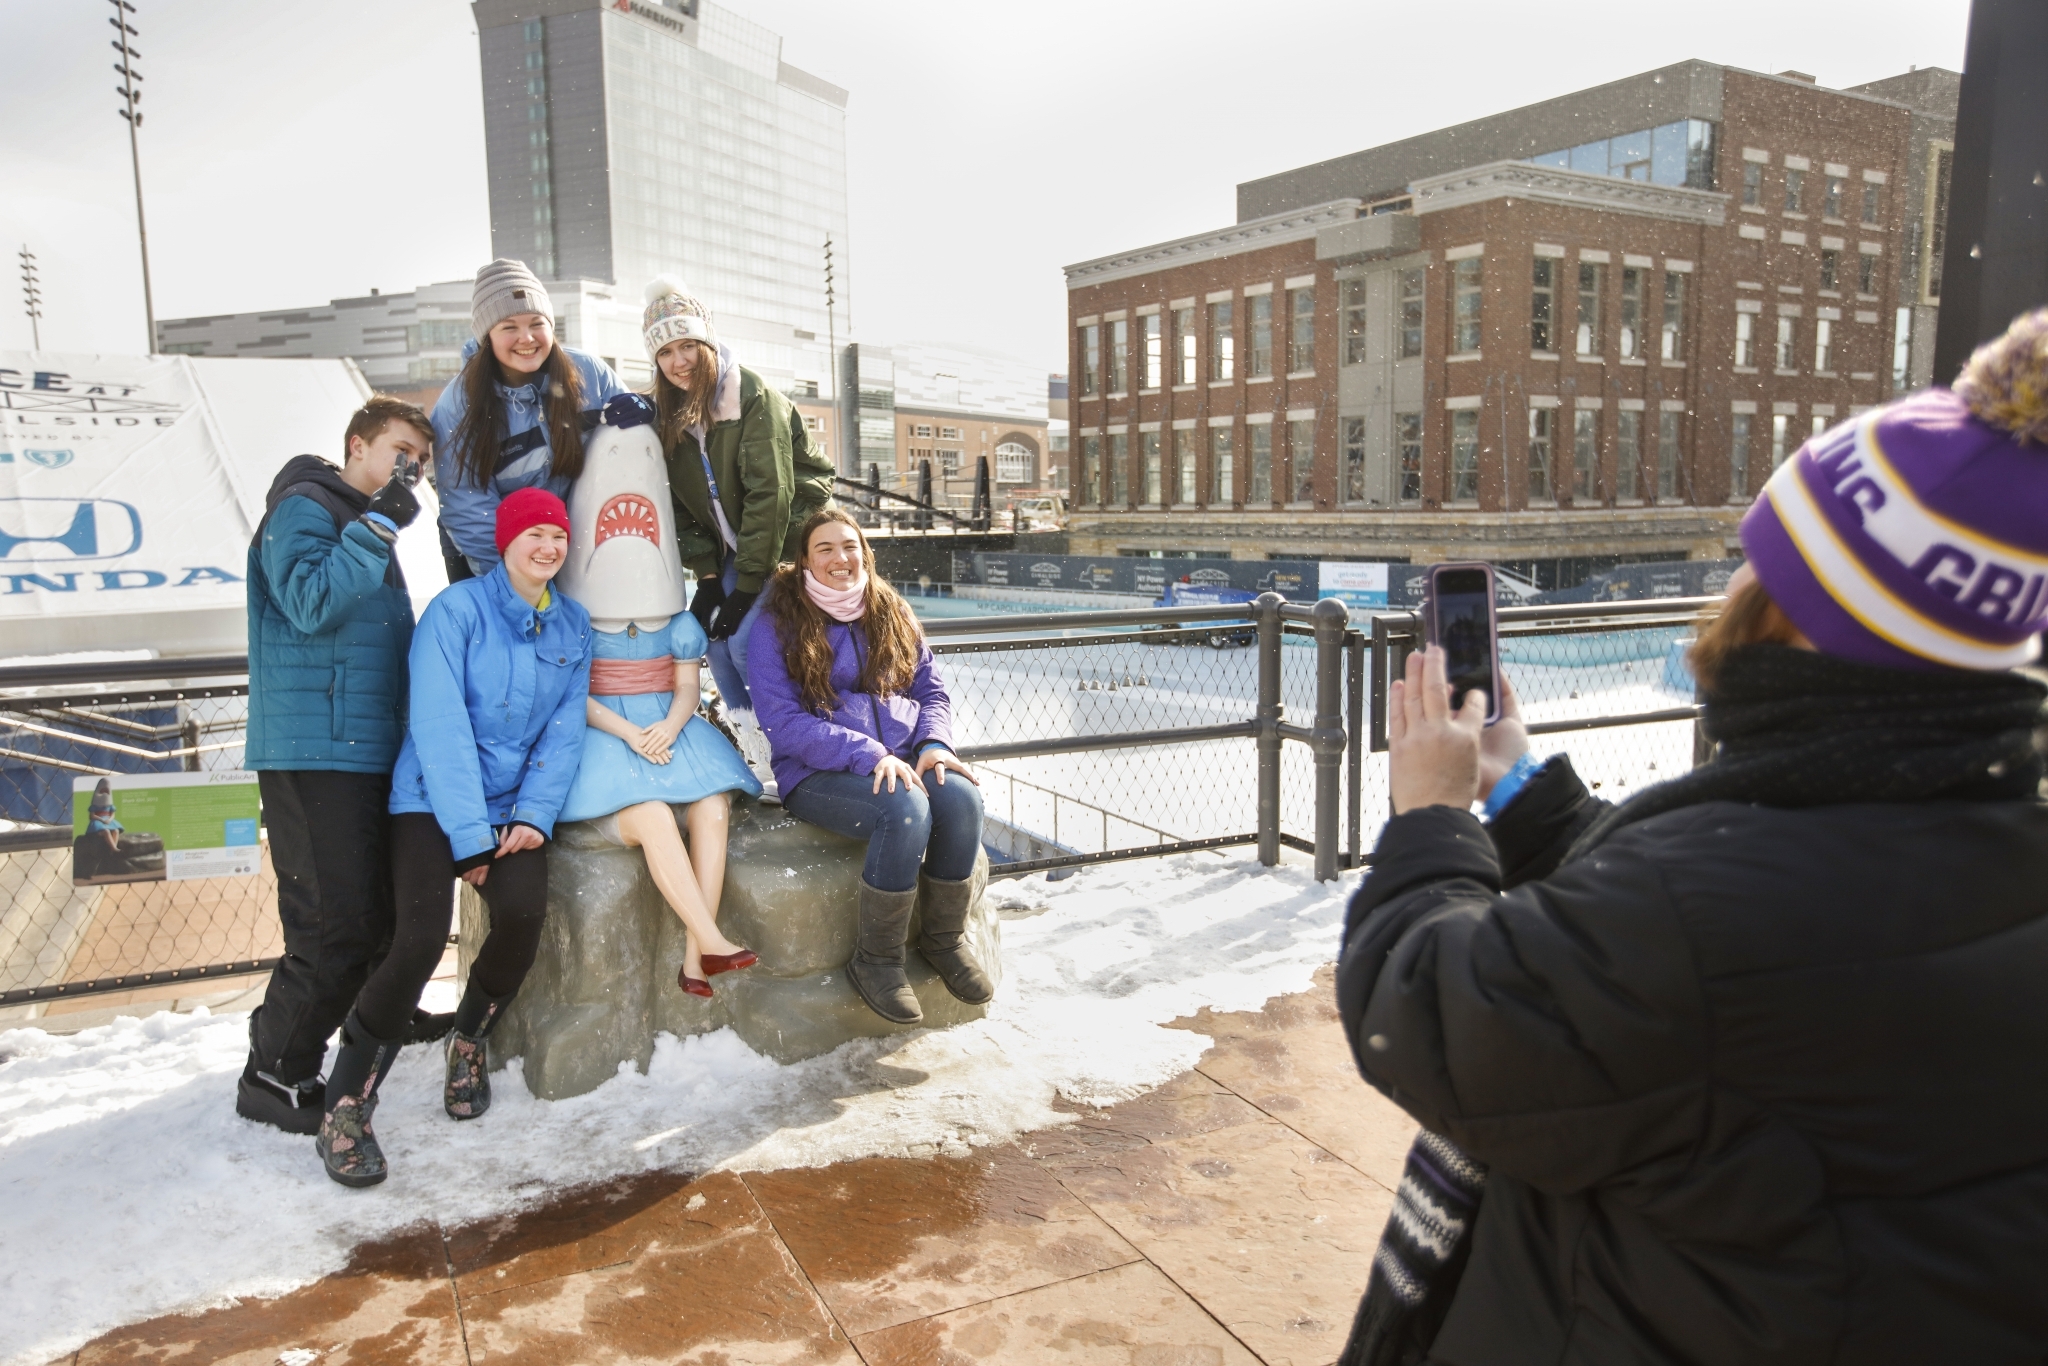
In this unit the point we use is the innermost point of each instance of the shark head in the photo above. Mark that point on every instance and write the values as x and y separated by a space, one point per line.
623 564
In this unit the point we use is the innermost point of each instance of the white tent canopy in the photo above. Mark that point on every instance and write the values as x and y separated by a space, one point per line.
130 486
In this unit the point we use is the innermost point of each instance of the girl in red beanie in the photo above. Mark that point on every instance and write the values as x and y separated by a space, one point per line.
500 672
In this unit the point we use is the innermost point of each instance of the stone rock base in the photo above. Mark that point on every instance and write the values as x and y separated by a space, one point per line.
604 981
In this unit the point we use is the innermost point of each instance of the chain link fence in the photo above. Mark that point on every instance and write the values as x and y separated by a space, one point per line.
1098 736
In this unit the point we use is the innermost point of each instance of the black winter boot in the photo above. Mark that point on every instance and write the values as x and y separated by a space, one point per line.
876 968
467 1092
943 940
293 1106
347 1145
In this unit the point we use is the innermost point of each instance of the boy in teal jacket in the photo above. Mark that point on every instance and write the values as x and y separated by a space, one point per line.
329 626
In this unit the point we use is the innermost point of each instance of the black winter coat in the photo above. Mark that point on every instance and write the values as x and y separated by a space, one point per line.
1755 1085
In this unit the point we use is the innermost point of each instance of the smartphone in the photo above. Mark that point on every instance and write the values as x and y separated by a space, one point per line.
1458 618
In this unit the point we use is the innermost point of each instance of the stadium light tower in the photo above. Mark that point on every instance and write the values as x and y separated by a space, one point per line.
130 97
31 296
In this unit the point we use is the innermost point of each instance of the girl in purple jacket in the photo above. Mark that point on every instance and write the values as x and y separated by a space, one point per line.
862 734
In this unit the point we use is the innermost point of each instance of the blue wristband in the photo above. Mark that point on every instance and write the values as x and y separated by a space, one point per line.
1511 783
381 520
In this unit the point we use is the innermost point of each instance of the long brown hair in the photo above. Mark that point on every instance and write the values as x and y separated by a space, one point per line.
681 409
1748 617
891 629
476 438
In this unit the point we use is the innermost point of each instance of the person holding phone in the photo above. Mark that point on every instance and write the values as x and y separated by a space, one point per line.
1748 1067
500 672
862 731
330 622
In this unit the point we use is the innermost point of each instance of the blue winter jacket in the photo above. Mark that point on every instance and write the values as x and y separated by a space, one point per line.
329 625
498 689
468 513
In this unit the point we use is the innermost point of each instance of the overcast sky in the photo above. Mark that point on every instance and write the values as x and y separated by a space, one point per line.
294 152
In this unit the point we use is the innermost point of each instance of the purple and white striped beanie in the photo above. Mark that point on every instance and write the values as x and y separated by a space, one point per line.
1916 535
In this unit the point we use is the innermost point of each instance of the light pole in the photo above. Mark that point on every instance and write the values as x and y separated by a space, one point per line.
832 360
31 296
130 96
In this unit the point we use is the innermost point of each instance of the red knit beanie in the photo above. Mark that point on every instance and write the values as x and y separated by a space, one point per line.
529 507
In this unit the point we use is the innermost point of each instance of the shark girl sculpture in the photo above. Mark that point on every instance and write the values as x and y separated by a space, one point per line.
646 749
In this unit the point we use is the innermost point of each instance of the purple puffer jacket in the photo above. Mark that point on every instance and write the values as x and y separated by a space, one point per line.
861 729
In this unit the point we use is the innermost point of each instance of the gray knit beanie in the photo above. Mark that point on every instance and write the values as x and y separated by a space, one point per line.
505 289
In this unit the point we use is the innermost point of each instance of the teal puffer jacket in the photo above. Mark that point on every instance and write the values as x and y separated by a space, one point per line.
498 692
329 627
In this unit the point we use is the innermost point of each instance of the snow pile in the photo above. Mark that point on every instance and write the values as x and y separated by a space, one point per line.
133 1190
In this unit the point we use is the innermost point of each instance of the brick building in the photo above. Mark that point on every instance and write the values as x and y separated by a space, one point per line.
1505 340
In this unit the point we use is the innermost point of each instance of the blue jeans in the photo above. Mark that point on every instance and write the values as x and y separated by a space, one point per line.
729 657
938 825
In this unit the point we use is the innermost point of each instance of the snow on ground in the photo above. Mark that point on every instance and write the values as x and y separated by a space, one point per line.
131 1188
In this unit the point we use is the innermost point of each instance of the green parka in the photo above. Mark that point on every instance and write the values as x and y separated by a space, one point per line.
770 479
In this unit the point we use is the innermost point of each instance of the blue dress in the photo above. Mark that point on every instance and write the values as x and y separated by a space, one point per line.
613 775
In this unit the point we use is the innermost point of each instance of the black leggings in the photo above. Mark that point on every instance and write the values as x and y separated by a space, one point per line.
422 872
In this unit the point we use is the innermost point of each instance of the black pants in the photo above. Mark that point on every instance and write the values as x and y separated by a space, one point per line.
328 847
422 879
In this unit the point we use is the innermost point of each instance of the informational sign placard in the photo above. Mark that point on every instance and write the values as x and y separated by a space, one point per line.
1356 585
164 827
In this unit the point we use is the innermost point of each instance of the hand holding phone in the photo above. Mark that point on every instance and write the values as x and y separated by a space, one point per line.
1458 619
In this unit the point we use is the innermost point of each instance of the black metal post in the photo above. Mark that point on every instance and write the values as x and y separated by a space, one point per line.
1332 619
924 495
1354 748
984 512
874 485
1995 263
1267 612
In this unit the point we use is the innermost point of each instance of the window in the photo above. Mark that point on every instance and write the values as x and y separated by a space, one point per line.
1351 485
1542 296
1585 453
1091 360
1301 459
1831 198
1155 351
1408 450
533 30
1184 346
921 430
1119 356
1148 446
1261 308
1628 454
1673 340
1354 322
1738 456
1820 424
1223 485
1410 282
1592 284
1902 347
814 424
1788 357
1678 153
1752 185
1795 190
949 461
1301 337
1781 432
1119 469
1667 455
1871 194
1745 339
1866 274
1091 469
1540 424
1013 463
949 433
1823 345
1222 342
1260 437
1631 313
1465 455
1466 280
1184 462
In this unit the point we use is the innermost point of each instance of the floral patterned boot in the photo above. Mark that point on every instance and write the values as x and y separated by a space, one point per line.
347 1144
467 1092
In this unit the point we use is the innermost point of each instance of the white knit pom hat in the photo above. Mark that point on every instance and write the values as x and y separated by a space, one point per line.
673 313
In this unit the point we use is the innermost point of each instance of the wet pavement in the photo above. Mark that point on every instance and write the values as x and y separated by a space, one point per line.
1227 1219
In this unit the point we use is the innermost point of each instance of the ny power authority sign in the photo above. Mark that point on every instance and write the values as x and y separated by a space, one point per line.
164 827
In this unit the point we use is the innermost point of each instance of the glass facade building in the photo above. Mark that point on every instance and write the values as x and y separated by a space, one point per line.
1678 153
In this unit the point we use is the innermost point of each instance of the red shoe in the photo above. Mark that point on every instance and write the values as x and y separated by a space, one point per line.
692 985
715 963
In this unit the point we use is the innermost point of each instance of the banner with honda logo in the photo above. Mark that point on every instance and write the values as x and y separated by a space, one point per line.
130 486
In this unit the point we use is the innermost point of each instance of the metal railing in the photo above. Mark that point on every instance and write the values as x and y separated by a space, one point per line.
1103 736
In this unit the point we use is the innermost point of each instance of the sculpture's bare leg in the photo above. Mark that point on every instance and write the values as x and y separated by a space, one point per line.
651 827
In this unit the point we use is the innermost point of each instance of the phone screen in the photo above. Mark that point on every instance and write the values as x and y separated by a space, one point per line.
1464 628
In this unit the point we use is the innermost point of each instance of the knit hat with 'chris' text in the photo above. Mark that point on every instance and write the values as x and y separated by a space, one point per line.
1916 535
505 289
673 313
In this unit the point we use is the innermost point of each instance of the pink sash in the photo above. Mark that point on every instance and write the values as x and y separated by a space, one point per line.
631 677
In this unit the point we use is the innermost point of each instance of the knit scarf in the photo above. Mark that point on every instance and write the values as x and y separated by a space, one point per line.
1793 729
841 604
